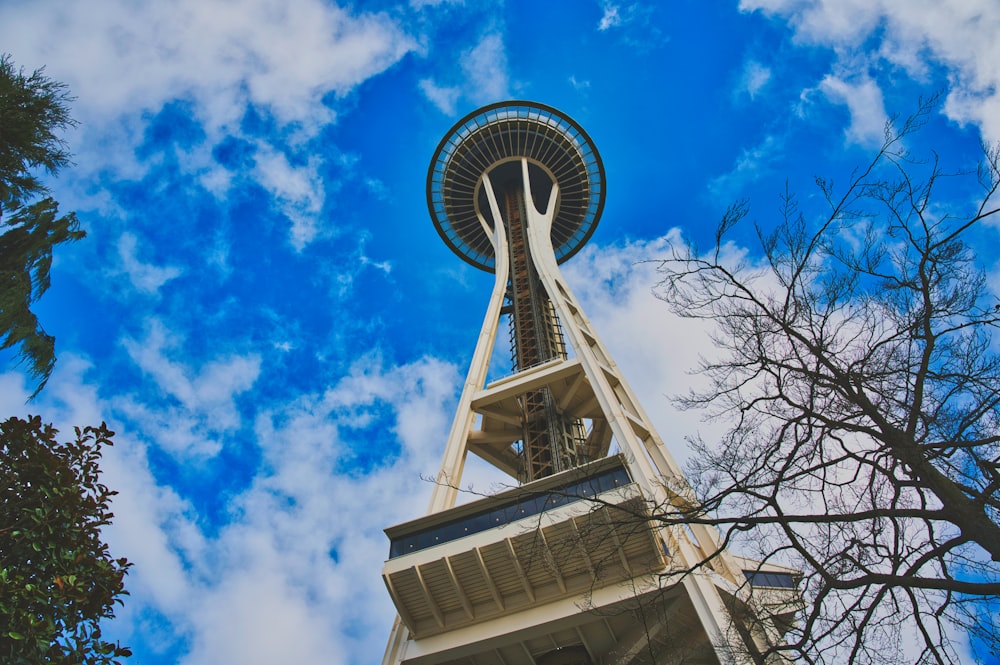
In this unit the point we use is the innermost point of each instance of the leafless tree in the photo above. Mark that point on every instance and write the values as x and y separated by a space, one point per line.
857 367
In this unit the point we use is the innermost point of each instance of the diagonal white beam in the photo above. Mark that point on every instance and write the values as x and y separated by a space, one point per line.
431 603
550 560
519 570
459 591
490 584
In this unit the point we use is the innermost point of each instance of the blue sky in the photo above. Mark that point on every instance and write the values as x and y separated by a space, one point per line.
264 313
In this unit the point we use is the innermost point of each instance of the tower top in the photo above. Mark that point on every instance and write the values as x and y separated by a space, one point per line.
555 146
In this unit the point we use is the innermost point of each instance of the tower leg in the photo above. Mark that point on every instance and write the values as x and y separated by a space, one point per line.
446 483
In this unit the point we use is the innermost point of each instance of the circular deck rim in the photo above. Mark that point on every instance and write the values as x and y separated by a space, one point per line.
575 227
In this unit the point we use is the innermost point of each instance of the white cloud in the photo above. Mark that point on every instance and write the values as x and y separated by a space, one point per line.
610 18
485 67
483 78
219 54
153 527
219 59
633 23
14 393
863 98
257 619
420 4
755 77
655 349
750 165
443 97
214 385
377 188
843 21
297 190
911 34
382 266
345 273
205 396
274 580
145 277
217 255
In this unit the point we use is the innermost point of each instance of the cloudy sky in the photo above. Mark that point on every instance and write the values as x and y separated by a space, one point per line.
264 313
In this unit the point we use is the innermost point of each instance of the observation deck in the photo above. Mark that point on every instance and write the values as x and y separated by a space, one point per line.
557 149
558 538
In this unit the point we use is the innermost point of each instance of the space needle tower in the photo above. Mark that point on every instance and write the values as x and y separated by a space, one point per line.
566 567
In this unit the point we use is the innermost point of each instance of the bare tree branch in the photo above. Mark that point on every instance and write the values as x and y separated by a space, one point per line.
863 389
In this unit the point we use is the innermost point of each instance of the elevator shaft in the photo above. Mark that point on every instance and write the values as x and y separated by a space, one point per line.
551 441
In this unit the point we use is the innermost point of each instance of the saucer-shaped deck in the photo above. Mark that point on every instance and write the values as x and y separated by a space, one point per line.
492 140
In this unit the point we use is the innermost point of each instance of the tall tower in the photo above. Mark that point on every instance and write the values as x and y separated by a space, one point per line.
565 567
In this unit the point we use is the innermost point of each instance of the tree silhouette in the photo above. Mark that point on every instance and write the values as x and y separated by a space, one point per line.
57 578
862 383
33 109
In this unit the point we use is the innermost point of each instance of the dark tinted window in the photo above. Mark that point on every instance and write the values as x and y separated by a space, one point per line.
519 507
778 580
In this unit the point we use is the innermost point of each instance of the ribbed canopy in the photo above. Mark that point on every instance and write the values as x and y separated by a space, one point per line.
497 134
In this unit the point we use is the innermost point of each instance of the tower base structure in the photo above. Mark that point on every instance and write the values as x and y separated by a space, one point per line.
577 567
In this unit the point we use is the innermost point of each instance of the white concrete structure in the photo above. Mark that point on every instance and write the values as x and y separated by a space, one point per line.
566 568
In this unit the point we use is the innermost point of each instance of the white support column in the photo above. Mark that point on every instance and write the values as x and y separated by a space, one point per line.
445 490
